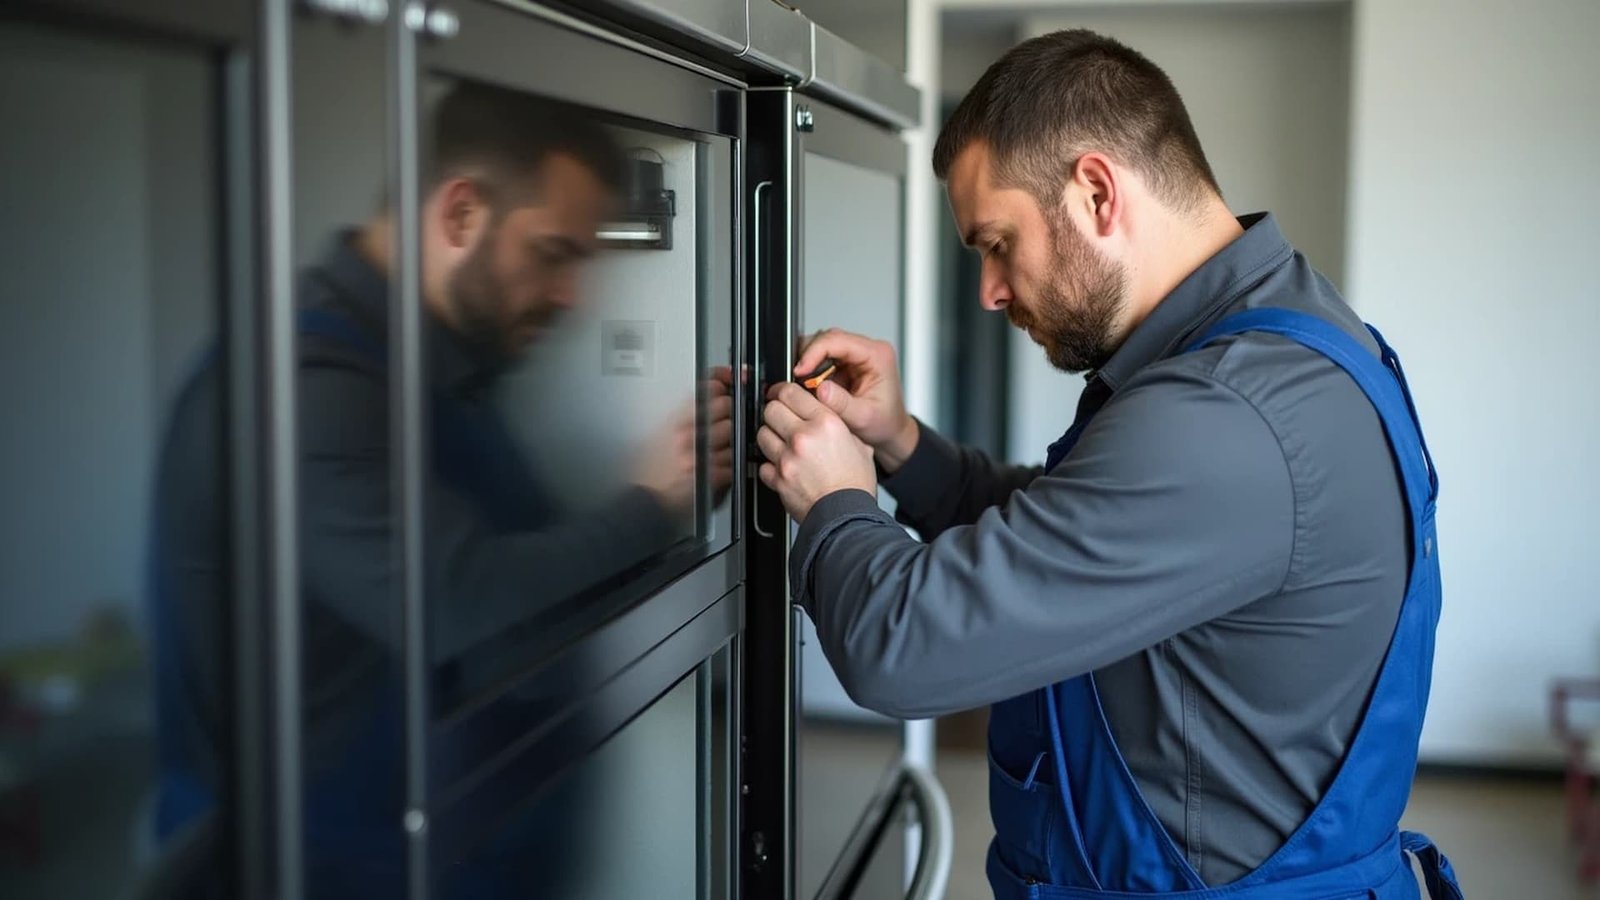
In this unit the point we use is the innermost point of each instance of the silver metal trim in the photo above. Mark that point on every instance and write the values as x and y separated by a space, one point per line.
811 53
702 20
859 81
407 417
244 467
736 159
283 614
779 40
371 12
793 175
574 23
756 273
937 826
584 666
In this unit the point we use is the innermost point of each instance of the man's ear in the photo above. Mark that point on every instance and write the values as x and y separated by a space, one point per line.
463 212
1099 190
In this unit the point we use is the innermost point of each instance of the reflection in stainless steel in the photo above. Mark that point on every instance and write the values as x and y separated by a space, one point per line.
109 216
549 495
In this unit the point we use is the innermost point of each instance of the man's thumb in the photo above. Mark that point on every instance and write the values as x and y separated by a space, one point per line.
833 397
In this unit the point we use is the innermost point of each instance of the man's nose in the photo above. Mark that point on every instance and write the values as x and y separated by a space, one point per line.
564 292
994 292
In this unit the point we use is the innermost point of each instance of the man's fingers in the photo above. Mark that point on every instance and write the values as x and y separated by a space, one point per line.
851 350
833 397
720 436
796 398
782 419
769 475
771 445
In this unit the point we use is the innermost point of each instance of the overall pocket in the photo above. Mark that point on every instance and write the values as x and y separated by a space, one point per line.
1025 808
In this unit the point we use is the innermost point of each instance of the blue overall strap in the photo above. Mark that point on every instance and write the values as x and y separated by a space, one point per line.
1437 873
1392 398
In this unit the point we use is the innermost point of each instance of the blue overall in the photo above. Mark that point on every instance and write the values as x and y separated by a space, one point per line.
352 803
1076 824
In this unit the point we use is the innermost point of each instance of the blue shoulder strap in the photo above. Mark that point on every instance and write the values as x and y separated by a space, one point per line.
1382 381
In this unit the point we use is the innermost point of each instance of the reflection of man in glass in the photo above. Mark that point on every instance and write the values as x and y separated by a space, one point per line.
514 194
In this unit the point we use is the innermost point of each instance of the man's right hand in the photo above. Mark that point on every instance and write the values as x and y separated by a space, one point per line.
865 392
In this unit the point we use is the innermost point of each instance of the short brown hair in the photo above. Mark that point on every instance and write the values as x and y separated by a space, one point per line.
1055 97
502 135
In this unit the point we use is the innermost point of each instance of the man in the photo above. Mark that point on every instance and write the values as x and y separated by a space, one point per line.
1182 617
516 190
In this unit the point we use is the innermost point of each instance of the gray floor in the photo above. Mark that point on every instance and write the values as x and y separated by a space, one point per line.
1504 837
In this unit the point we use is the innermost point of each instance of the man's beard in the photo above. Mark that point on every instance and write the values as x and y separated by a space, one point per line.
1076 313
480 306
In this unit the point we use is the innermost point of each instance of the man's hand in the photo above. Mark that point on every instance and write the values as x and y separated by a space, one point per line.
811 451
865 393
666 465
719 431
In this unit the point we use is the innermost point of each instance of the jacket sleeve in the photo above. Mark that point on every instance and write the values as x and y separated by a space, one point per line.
943 484
1175 507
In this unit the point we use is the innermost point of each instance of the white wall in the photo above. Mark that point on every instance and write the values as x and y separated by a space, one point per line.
1268 91
1474 220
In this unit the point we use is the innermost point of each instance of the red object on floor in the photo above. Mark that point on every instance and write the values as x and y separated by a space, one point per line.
1583 766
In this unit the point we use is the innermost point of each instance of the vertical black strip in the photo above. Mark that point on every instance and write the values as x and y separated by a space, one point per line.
768 697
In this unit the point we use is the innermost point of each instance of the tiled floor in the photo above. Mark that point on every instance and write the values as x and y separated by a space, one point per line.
1504 837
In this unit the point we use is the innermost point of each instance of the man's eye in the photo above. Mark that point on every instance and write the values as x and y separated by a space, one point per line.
552 254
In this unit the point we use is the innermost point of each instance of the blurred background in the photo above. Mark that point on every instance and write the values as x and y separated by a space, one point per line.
1435 159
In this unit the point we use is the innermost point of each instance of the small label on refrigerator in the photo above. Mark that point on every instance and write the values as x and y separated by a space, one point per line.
627 347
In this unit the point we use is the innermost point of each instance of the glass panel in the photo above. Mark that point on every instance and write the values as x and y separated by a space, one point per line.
352 738
578 325
632 819
852 281
115 585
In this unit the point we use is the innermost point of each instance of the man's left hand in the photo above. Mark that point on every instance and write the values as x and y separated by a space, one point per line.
811 451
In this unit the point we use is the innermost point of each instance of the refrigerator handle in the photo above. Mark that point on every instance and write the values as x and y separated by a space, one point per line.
759 237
